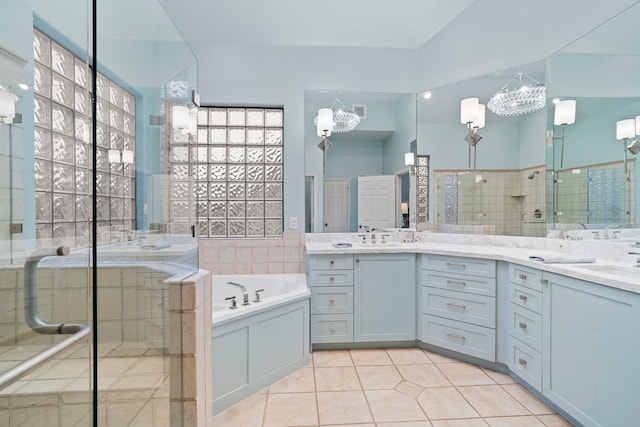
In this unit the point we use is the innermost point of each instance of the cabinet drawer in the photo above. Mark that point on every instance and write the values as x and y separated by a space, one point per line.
331 262
473 340
464 307
331 299
331 278
525 297
329 328
526 326
460 282
526 363
525 276
475 266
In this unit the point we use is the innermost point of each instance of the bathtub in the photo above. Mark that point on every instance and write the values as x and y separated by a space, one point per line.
255 345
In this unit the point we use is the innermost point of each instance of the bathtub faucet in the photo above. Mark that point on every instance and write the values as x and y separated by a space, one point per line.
245 293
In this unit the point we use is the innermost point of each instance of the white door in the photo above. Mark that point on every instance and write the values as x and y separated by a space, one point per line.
336 206
377 201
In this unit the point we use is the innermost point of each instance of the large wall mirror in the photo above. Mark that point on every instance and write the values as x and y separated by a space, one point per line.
375 148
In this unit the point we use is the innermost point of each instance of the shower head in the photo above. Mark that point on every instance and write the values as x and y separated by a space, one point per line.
533 174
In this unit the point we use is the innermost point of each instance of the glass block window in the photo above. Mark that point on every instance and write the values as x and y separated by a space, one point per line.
62 149
233 169
422 188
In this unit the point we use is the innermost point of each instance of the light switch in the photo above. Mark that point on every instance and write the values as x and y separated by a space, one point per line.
293 223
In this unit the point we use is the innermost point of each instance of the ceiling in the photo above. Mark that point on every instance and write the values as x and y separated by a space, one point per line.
335 23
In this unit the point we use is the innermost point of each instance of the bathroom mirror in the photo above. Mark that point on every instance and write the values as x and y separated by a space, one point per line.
591 185
375 147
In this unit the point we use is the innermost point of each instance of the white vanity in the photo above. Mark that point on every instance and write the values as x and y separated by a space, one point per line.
566 331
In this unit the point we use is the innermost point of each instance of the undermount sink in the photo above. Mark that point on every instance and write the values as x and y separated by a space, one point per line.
377 245
627 272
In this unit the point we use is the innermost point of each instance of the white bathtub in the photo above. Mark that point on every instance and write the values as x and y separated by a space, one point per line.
255 345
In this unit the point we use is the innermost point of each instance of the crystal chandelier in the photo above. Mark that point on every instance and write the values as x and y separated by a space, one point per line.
521 95
343 120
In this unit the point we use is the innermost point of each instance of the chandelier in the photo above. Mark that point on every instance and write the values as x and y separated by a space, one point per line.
343 120
521 95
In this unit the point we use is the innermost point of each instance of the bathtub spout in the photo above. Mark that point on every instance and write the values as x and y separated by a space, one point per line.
245 293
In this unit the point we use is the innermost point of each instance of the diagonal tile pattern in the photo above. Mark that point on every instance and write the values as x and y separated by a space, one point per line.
391 388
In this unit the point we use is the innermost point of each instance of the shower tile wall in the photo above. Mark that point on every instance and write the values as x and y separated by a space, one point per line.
254 256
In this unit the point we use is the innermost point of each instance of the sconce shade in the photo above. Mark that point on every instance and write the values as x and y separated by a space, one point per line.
409 159
325 122
637 125
625 129
127 156
565 112
479 122
7 106
404 208
469 110
180 117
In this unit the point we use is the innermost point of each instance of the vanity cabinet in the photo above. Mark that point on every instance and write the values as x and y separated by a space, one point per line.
384 297
330 278
590 351
458 304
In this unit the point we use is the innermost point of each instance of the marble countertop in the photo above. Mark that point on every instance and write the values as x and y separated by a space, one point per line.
611 268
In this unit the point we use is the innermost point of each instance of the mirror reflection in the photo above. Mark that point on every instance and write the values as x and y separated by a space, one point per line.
359 179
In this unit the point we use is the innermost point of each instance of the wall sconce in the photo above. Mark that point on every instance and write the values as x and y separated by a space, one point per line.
180 117
410 160
117 156
626 129
7 106
564 114
472 113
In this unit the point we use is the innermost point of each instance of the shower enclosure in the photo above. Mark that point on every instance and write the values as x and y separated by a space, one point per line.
87 254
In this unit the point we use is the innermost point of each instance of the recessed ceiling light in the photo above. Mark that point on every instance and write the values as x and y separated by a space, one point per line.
23 86
555 100
427 95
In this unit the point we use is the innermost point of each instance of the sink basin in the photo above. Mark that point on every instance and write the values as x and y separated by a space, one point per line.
376 245
627 272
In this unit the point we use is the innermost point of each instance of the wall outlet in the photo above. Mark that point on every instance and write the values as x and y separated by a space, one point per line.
293 223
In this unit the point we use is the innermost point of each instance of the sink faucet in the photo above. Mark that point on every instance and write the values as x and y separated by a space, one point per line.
245 293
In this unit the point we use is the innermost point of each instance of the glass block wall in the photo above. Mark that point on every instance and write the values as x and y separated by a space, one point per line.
422 189
62 150
233 169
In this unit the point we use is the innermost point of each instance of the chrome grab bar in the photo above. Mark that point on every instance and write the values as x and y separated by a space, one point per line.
77 331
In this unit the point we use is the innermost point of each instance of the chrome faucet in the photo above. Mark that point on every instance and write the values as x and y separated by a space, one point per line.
245 293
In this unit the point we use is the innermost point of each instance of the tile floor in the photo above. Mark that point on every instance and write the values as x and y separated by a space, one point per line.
391 388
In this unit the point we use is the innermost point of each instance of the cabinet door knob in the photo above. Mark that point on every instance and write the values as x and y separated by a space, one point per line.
522 297
331 278
544 281
522 325
331 262
332 300
523 277
522 362
332 329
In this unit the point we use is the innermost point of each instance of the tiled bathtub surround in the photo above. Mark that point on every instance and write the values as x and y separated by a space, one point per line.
254 256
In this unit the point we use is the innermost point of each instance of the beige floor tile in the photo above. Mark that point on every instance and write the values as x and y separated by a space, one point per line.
438 358
528 399
389 405
492 401
407 356
470 422
554 421
378 377
406 424
526 421
343 407
349 425
409 388
342 378
445 403
116 366
499 377
291 409
424 375
324 359
300 381
247 412
464 374
373 357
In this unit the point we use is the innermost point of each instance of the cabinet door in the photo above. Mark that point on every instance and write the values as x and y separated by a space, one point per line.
384 297
591 351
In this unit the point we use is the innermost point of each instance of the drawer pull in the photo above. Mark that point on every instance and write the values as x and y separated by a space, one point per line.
522 297
456 306
523 277
544 281
332 300
455 265
522 362
331 278
522 325
332 329
457 337
455 282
